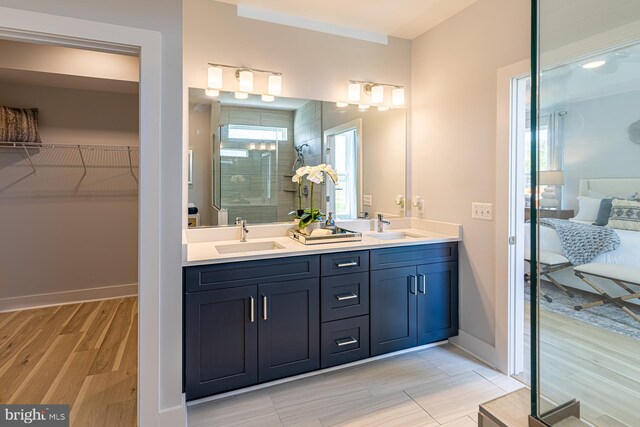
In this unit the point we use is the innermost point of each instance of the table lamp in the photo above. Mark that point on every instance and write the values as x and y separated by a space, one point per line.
549 197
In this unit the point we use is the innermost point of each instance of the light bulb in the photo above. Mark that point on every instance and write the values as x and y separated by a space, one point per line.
397 97
377 94
263 146
252 146
363 107
241 95
275 85
214 77
383 108
246 81
341 104
211 92
353 92
272 147
268 98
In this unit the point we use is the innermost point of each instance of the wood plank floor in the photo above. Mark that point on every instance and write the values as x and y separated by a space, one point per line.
84 355
599 368
439 386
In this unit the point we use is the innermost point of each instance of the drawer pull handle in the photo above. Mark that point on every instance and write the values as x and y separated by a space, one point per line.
422 284
344 297
348 264
264 307
346 341
412 285
253 309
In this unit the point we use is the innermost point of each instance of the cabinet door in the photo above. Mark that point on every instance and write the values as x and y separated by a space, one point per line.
393 309
221 351
289 328
437 302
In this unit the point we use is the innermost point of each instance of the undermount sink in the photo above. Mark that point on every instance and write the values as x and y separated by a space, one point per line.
393 235
248 247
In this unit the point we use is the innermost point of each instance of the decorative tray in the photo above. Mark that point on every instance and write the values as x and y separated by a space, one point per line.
341 235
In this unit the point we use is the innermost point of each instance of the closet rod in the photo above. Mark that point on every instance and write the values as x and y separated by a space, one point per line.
35 145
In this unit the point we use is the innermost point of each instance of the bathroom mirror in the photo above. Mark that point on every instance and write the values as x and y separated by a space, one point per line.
244 153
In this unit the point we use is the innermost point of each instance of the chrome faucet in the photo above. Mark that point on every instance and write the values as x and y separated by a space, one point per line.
381 222
242 223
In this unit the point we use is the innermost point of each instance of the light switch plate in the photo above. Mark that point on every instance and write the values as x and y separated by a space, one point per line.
483 211
367 200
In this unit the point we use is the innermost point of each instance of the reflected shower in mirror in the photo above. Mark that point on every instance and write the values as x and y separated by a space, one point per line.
246 152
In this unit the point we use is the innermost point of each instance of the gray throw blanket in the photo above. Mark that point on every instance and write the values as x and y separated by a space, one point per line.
582 242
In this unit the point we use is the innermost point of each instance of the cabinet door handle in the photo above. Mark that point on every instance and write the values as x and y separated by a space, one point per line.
253 309
344 297
348 264
264 307
346 341
422 284
412 288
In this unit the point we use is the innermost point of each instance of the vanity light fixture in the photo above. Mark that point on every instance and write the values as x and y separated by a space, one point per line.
241 95
212 92
342 104
275 84
245 77
268 98
214 76
375 90
377 94
594 64
397 96
353 92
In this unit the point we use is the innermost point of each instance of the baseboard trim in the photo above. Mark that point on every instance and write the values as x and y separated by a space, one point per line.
477 348
174 416
67 297
311 374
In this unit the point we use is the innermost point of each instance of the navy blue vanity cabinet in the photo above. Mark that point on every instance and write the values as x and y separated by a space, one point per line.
344 288
250 322
288 328
221 332
414 296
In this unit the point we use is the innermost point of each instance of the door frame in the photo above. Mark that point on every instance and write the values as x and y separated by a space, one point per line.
28 26
509 214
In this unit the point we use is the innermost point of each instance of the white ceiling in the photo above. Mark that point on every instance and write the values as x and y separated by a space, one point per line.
406 19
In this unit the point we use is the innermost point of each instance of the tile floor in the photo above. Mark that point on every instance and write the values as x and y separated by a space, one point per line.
437 386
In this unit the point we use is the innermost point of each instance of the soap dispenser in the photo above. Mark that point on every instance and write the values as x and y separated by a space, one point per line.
330 224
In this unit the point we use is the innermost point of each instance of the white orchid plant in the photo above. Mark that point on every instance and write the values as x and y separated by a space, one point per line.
315 175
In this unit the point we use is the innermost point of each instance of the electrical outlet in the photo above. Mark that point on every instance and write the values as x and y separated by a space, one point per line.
483 211
367 200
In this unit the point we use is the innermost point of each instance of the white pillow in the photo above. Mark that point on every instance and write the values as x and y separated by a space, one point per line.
588 208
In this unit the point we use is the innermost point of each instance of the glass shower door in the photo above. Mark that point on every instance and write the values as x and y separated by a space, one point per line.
586 212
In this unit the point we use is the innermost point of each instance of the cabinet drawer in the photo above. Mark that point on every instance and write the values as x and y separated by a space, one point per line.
219 276
345 341
413 255
344 296
344 263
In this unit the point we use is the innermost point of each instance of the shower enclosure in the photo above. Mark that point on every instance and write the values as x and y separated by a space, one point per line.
585 276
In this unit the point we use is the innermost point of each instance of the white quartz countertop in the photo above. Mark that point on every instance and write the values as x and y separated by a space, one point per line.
200 246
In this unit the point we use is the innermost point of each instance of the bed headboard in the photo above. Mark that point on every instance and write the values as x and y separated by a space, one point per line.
610 186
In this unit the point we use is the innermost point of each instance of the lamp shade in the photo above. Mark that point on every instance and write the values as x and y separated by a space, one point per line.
275 85
551 178
246 80
397 97
214 77
377 94
353 92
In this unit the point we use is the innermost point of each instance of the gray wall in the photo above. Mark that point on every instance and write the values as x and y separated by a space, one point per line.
80 232
453 150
